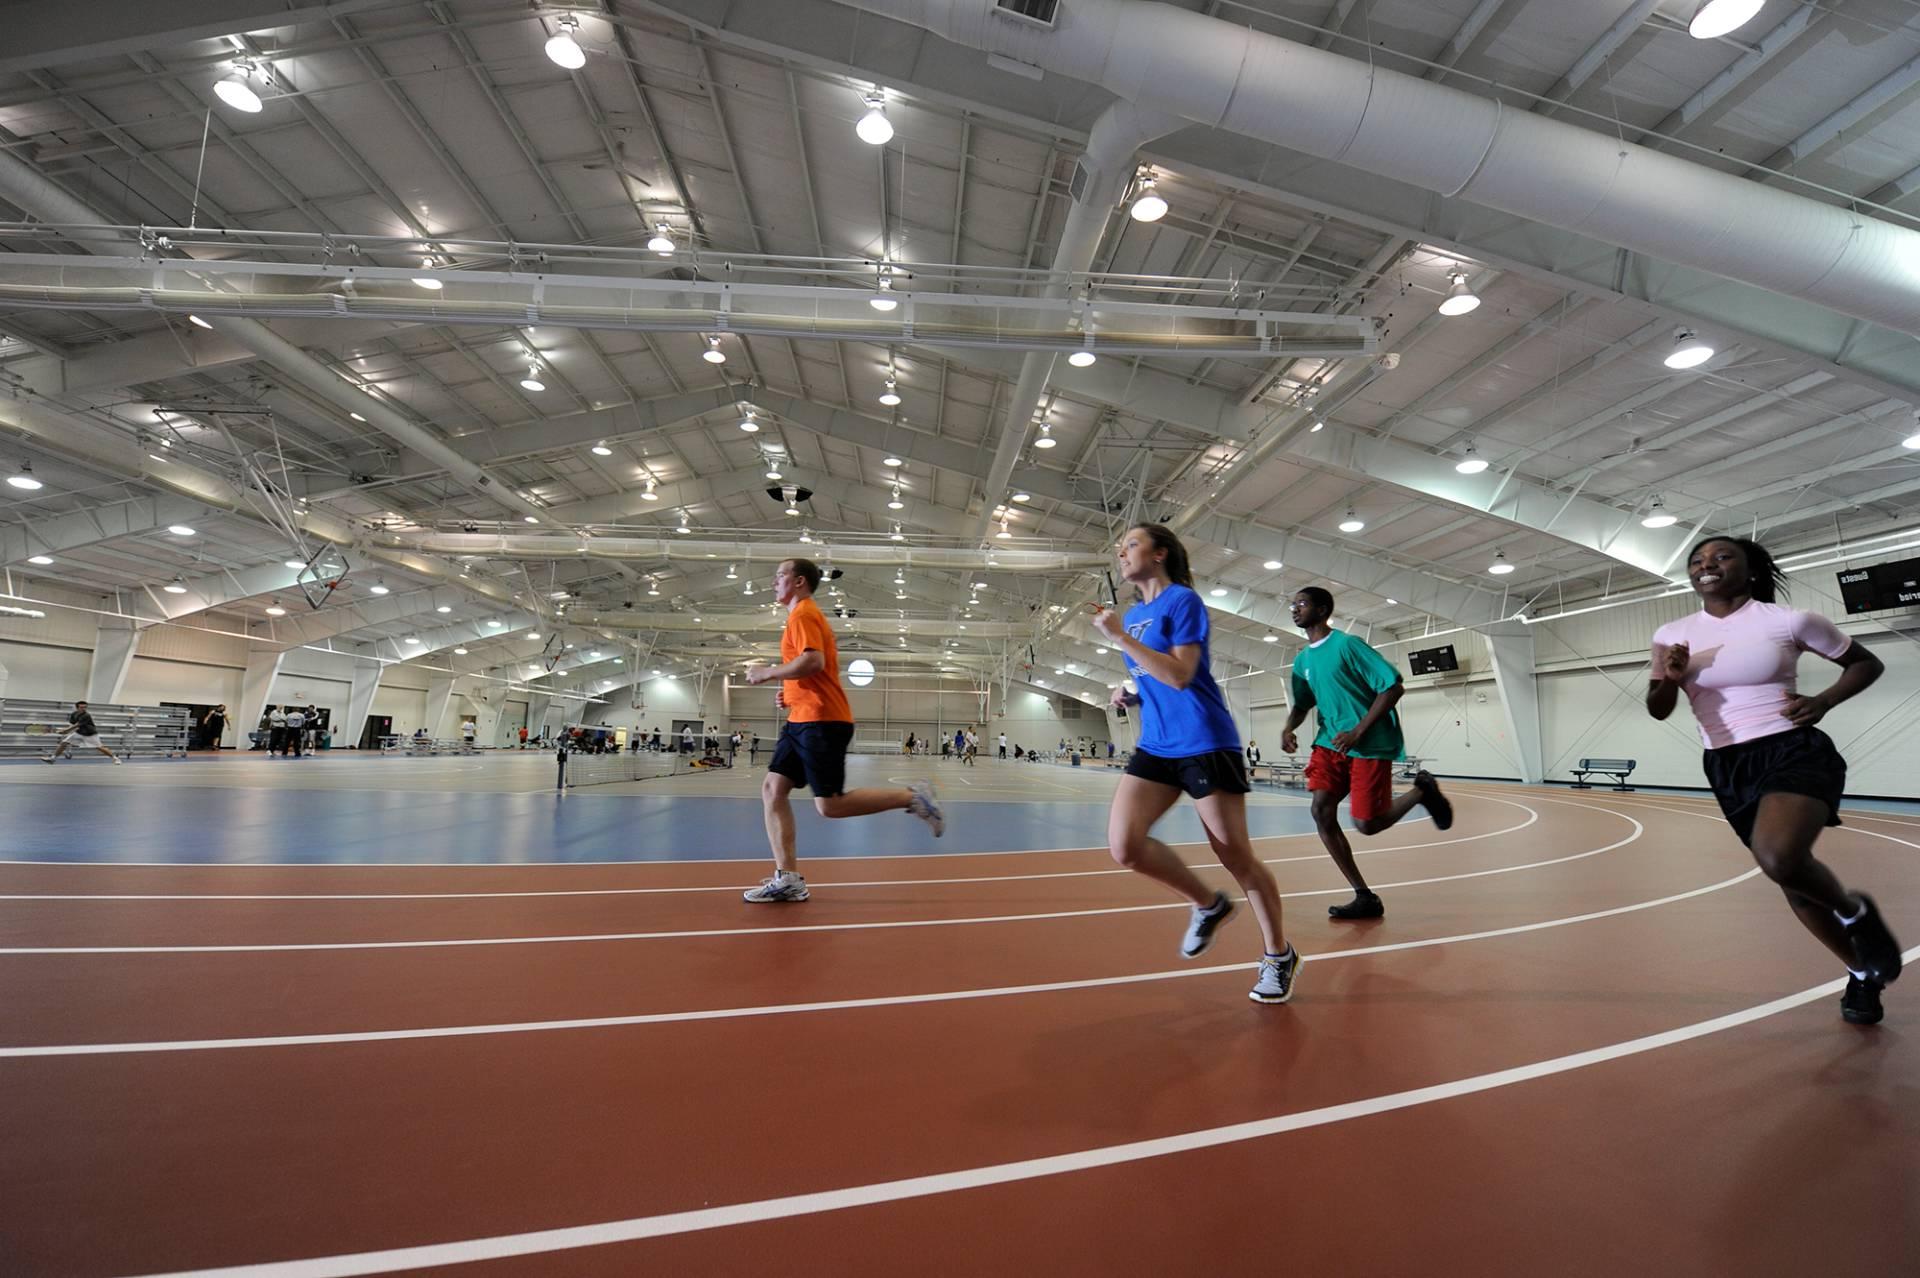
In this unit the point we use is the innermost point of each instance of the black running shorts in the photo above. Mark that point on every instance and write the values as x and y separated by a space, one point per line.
814 755
1216 772
1797 761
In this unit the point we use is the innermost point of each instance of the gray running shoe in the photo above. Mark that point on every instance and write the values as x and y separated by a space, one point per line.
781 887
924 805
1276 978
1205 922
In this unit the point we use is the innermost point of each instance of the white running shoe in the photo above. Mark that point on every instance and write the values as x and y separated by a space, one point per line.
925 806
783 886
1276 978
1205 922
116 758
46 758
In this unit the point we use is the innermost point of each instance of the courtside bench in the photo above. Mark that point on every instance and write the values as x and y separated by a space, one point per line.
1287 772
1618 769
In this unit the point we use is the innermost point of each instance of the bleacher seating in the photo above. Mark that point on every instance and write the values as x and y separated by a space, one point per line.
1618 769
30 728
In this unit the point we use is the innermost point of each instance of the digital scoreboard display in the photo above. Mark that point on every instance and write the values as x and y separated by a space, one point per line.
1882 586
1432 660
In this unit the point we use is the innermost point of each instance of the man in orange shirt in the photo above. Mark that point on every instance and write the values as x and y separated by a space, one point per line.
812 750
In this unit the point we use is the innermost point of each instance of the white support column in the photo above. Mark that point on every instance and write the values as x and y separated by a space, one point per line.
538 706
439 695
113 648
3 683
1512 647
366 682
255 686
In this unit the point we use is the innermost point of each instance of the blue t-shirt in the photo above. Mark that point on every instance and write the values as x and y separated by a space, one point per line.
1179 723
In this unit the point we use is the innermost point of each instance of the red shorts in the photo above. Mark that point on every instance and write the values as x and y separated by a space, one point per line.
1369 781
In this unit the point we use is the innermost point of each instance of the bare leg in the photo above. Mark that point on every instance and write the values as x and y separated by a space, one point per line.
1326 815
1401 805
1137 804
863 802
1783 835
1225 819
779 814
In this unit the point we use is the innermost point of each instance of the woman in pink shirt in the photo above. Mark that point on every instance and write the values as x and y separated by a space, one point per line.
1778 778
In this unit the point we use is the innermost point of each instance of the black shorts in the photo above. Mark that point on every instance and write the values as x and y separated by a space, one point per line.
1216 772
1798 761
814 755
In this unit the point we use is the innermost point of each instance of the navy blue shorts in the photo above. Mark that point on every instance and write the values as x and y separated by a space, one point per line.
814 755
1798 761
1216 772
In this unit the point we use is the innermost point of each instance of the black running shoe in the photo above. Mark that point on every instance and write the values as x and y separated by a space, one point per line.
1436 803
1860 1005
1204 924
1364 905
1875 952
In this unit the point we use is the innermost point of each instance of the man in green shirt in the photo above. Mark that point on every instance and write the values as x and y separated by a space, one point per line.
1355 690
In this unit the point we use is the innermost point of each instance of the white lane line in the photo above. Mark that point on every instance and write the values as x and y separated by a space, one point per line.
836 1005
547 1241
1532 816
888 924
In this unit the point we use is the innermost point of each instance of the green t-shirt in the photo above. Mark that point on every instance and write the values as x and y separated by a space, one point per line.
1341 675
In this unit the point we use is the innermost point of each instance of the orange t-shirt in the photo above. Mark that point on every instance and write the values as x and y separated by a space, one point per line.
818 698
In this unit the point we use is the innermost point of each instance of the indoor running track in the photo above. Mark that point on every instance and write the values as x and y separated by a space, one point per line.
1588 1039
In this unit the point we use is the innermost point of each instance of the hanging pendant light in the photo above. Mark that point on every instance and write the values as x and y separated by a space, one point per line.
1657 516
563 48
235 90
1472 463
874 128
1148 205
661 241
1716 18
1460 298
713 354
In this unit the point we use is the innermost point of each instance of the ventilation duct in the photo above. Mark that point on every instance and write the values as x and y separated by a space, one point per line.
1161 58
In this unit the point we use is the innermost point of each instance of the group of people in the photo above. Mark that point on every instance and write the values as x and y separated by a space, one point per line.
292 730
1778 779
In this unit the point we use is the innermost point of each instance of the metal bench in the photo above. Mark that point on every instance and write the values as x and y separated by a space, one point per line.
1618 769
1287 772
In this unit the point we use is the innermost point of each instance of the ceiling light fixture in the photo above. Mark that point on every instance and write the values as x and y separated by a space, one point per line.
563 48
443 608
874 128
894 502
1688 350
1004 532
275 610
773 471
1218 592
1716 18
379 588
649 494
25 479
180 530
235 91
1272 565
683 529
177 586
713 354
1269 637
1472 463
1147 206
427 281
601 450
1657 516
1500 567
1316 428
883 299
529 519
732 574
661 241
532 380
747 423
896 534
1460 299
1352 523
1023 498
459 652
1046 439
197 322
42 560
891 395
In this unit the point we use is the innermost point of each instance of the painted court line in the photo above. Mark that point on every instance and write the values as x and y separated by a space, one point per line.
887 924
836 1005
1532 817
547 1241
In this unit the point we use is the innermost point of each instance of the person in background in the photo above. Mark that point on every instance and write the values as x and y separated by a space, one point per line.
313 729
908 749
213 726
1253 752
686 739
812 750
523 736
276 731
1003 745
81 730
1352 691
295 731
468 731
733 746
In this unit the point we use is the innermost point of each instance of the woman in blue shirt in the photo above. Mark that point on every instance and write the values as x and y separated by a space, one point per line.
1188 742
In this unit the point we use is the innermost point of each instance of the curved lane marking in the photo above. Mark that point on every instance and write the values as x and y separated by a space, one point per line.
834 1005
692 933
547 1241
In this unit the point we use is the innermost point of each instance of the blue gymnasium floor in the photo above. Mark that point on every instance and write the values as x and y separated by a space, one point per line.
501 809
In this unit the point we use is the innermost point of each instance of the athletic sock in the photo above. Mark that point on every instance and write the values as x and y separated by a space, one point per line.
1858 976
1858 914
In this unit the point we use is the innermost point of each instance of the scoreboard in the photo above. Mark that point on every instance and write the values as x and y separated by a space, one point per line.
1432 660
1894 585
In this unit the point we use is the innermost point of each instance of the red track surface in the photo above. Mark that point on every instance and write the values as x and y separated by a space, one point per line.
1788 1144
